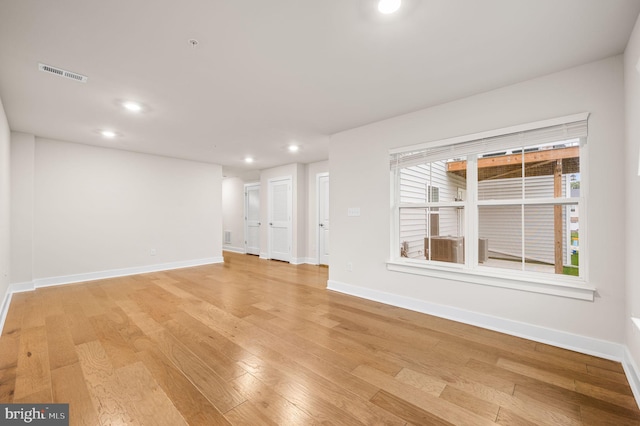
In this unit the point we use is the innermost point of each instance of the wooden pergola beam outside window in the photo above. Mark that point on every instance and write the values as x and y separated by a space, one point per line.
537 163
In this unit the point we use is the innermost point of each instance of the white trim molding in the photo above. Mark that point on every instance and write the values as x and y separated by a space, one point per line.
6 302
113 273
632 373
21 287
575 289
5 307
562 339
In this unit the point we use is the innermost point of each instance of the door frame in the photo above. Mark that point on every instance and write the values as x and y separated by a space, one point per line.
318 207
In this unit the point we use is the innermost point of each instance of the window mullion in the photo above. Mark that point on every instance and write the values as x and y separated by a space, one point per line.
583 208
471 216
530 202
522 237
395 214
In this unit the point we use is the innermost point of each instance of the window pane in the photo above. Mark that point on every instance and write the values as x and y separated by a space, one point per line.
432 234
431 182
413 183
551 170
547 227
502 226
415 225
500 230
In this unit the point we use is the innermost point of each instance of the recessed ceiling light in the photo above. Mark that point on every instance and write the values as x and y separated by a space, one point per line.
294 148
108 134
248 160
388 6
132 106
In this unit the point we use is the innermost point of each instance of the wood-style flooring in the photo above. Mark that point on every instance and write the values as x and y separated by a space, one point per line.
253 342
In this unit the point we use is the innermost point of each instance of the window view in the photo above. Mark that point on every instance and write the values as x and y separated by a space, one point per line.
431 213
533 236
518 204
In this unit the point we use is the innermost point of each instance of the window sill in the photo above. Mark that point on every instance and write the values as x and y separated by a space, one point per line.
570 287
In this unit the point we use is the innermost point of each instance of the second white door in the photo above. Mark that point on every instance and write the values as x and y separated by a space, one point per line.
252 218
323 219
280 219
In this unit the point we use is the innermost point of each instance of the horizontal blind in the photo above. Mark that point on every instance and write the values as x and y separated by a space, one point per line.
556 133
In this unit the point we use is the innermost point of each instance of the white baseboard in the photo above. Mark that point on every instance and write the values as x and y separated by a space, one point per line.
113 273
5 308
21 287
562 339
632 373
240 250
92 276
6 302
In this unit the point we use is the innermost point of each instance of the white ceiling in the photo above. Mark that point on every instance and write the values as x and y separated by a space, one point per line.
269 73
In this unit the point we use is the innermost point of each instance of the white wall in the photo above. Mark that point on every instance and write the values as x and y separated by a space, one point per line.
360 178
632 193
5 202
233 212
313 169
104 210
23 148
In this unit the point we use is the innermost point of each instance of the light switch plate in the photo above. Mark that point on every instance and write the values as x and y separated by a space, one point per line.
353 211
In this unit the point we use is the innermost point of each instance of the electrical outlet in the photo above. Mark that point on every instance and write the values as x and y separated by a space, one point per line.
349 266
153 252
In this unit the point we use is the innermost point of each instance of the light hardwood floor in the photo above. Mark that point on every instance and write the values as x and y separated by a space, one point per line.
252 342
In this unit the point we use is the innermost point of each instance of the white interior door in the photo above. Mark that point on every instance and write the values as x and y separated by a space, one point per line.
323 219
280 219
252 218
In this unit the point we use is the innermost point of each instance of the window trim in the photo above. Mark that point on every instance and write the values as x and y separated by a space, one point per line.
494 278
557 285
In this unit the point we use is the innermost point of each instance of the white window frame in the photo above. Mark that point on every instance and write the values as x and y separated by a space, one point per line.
470 271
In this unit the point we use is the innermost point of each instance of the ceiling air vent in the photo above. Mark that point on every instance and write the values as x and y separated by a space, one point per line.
62 73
